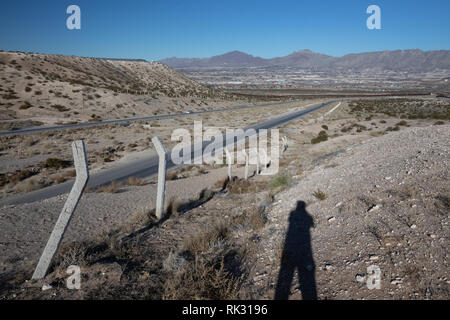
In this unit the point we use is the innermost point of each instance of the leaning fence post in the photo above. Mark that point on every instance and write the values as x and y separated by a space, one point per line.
161 177
229 162
246 164
81 167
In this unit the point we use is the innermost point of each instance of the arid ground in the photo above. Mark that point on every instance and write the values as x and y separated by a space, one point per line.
366 185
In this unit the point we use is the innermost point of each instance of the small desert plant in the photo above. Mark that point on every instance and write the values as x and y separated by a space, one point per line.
56 163
59 107
320 195
280 181
25 105
323 136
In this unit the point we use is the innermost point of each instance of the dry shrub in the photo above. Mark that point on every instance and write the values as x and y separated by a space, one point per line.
241 186
141 218
254 219
219 231
135 181
171 176
202 280
29 185
114 187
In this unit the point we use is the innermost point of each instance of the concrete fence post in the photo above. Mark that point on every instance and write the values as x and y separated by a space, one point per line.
265 162
257 162
229 162
82 171
246 165
161 177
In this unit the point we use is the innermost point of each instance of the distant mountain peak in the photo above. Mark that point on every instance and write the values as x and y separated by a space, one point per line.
414 60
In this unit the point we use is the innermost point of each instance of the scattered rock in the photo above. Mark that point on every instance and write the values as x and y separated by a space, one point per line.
360 278
396 281
46 287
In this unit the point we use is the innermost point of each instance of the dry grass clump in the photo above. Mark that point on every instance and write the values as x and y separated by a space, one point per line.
64 176
402 123
202 279
186 172
29 185
16 176
135 181
113 187
279 183
219 231
241 186
254 218
56 163
207 268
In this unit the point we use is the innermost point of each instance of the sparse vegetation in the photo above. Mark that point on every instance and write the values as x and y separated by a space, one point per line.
319 195
323 136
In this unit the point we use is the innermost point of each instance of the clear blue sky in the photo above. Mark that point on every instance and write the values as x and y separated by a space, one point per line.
156 29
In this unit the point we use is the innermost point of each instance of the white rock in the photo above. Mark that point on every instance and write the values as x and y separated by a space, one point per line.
46 287
331 219
360 278
396 281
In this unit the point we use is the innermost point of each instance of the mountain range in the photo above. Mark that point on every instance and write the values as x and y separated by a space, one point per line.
414 60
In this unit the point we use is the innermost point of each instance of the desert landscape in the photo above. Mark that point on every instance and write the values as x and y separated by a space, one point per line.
346 195
371 172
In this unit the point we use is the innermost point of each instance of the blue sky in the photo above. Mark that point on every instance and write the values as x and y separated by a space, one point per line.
156 29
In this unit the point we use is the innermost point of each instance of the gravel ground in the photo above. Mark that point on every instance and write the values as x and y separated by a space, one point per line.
387 205
24 229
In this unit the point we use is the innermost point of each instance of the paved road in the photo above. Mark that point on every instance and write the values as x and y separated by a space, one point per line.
145 167
127 120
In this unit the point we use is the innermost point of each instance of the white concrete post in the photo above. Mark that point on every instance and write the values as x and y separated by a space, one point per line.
229 162
161 177
257 162
265 162
246 165
81 167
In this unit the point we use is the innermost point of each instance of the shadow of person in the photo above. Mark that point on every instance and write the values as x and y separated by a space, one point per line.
297 254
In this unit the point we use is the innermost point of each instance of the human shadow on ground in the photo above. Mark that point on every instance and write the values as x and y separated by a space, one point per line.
297 255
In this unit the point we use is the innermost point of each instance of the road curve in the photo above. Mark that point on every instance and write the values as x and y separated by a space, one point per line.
145 167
